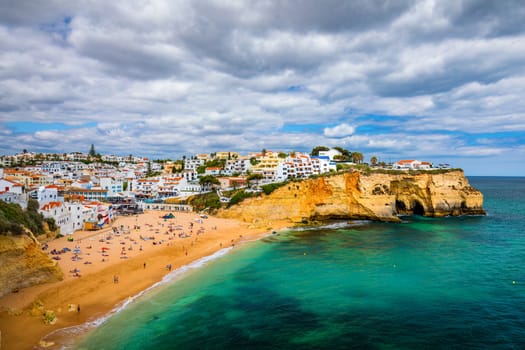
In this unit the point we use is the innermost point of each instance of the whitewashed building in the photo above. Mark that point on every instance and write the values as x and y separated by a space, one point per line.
47 194
114 186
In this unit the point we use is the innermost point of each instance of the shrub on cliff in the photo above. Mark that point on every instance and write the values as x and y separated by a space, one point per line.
202 201
239 196
13 218
269 188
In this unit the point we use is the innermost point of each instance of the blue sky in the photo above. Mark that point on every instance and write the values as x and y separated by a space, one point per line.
441 81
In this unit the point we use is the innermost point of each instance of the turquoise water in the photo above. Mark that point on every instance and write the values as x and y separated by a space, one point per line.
451 283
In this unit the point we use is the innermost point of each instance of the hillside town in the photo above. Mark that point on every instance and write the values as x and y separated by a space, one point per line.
85 191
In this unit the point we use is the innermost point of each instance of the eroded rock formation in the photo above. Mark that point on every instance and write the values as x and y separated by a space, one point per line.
23 264
354 195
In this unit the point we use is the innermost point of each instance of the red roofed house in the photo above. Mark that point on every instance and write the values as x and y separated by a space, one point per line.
409 164
10 186
46 194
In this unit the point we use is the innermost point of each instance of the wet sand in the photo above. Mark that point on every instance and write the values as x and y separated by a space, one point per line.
104 268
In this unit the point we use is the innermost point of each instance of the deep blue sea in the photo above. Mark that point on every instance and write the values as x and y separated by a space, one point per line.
450 283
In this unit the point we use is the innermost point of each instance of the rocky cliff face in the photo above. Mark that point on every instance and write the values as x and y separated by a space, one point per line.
23 264
381 197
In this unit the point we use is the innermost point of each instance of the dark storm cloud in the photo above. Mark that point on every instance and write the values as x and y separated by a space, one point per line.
334 15
490 18
122 57
31 13
265 36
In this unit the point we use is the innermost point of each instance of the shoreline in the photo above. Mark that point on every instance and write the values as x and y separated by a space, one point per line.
63 338
89 280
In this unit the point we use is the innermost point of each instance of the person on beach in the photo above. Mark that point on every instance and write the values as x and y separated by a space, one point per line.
144 265
115 279
78 308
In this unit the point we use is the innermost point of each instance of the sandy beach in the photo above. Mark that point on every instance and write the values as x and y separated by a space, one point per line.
104 268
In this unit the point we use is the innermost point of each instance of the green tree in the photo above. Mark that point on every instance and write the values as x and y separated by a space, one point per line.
32 205
125 186
208 180
178 166
201 169
257 177
357 157
92 152
347 155
373 160
282 155
317 149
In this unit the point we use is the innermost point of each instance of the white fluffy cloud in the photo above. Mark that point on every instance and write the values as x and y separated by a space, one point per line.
341 130
165 78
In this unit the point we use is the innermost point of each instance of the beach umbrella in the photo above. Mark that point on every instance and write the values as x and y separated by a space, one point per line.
104 248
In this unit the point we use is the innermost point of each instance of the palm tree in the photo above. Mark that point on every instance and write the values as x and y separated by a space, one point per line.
373 160
357 157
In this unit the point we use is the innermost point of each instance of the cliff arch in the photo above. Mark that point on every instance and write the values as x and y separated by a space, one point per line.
414 207
417 208
401 208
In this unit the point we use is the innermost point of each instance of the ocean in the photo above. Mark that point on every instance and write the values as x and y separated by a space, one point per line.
425 283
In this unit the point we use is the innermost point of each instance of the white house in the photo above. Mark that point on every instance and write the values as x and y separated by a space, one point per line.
214 171
10 197
113 185
59 212
193 163
69 217
322 164
78 214
331 153
410 164
239 165
10 186
46 194
283 171
145 187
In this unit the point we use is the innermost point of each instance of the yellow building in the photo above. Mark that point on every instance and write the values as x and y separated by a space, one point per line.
226 155
267 166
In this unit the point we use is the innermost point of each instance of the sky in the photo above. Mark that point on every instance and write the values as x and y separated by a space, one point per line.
440 81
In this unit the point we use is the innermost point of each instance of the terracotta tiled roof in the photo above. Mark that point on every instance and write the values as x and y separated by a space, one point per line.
51 205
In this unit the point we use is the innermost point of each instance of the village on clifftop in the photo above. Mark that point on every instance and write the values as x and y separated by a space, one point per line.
85 191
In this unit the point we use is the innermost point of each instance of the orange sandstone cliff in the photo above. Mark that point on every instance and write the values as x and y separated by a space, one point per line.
23 264
354 195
